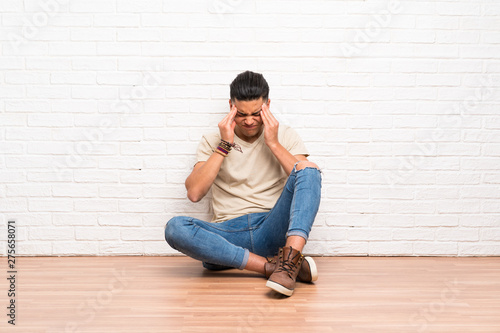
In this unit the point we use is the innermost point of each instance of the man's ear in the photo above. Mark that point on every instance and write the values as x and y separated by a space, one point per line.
268 102
230 103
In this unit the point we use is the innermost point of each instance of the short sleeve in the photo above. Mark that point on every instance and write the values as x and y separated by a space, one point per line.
293 143
206 147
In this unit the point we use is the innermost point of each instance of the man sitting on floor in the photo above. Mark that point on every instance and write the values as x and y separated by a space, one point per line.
265 193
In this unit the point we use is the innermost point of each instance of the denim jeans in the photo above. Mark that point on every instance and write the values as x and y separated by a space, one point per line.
227 244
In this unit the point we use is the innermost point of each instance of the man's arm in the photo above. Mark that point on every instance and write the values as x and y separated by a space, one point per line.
204 173
271 125
202 177
286 159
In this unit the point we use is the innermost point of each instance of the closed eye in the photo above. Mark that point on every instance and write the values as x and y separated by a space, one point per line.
255 114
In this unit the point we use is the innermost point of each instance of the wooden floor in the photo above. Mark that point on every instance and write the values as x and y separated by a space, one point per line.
175 294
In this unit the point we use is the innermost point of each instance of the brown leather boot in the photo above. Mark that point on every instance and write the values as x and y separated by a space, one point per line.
308 271
283 278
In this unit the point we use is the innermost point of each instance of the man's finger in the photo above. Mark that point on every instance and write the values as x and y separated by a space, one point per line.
269 116
268 112
263 115
230 115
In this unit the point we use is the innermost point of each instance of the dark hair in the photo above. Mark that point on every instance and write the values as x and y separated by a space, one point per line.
249 86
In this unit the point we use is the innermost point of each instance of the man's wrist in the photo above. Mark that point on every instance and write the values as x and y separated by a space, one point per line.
273 145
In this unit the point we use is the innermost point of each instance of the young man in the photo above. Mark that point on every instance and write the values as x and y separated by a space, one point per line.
265 193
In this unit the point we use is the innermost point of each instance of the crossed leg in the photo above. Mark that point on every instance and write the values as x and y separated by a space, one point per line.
255 262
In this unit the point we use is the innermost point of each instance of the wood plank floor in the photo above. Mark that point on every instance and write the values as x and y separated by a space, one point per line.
175 294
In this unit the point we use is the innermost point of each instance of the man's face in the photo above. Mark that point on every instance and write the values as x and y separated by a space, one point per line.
249 123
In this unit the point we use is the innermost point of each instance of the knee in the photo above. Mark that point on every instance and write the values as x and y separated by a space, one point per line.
172 229
305 164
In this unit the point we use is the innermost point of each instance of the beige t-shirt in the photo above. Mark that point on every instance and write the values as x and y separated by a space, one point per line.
252 181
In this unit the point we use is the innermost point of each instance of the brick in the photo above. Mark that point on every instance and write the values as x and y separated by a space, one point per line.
52 233
413 234
142 206
403 248
12 176
74 191
159 248
72 48
457 178
491 178
93 63
458 234
50 205
100 176
130 6
166 192
91 34
478 249
94 233
12 92
418 94
366 207
76 247
141 234
72 78
327 234
96 205
339 192
348 220
127 219
435 248
120 191
57 175
457 9
340 248
27 190
490 234
26 48
459 149
12 63
90 92
388 220
13 205
491 206
125 162
33 219
41 248
391 193
437 193
451 80
128 35
14 77
92 6
143 148
462 206
120 248
118 48
74 219
352 163
27 106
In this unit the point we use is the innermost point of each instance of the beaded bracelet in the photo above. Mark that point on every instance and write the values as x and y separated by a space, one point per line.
221 153
231 145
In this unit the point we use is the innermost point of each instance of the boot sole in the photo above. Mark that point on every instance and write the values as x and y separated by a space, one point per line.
279 288
312 266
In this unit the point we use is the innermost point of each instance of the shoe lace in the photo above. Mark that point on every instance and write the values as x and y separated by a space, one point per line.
288 265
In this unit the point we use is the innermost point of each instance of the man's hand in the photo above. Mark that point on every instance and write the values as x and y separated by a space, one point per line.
271 126
226 126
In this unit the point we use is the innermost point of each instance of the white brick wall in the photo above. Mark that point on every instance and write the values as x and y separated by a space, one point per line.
102 104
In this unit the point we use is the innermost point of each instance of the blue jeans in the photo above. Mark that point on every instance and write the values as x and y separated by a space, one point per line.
227 244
